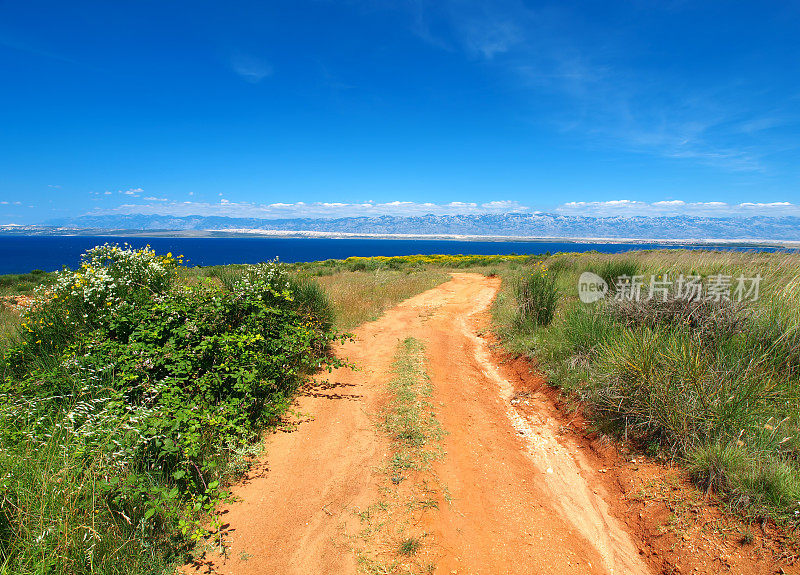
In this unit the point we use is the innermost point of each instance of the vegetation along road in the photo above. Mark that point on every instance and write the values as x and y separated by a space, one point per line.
366 480
480 418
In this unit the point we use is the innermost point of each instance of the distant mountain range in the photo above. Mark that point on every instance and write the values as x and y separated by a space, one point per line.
534 225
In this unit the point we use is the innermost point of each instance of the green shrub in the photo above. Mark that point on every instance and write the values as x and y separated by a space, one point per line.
672 385
585 328
133 396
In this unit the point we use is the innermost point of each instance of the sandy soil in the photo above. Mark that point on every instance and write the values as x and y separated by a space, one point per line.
524 497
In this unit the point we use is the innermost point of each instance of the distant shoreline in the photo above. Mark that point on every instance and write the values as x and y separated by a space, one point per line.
33 231
500 238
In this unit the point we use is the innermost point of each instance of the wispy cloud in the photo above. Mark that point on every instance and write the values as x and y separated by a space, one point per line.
313 209
133 192
25 46
251 68
628 208
606 96
487 32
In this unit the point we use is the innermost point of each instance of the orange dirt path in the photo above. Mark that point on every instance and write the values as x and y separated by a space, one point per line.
519 502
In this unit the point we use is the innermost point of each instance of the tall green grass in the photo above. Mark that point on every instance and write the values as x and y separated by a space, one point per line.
715 385
54 516
537 296
612 269
9 322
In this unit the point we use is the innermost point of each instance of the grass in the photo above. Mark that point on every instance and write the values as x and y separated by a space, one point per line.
391 541
17 284
714 385
611 269
537 297
410 546
58 518
9 321
360 296
412 263
410 419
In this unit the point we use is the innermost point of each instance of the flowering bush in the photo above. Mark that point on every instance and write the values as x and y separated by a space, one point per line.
151 388
110 276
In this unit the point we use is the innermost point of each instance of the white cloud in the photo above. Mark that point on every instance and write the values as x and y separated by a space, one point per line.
154 199
678 207
135 192
313 210
768 206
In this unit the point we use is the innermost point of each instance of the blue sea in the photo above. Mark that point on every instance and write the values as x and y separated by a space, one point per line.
21 254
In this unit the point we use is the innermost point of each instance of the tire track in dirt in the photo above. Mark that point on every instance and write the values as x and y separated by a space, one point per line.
518 503
560 470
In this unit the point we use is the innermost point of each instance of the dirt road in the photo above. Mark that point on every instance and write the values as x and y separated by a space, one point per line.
518 501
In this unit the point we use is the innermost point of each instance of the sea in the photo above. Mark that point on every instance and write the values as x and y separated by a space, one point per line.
22 254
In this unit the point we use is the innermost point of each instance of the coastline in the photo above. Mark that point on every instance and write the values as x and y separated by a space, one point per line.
12 230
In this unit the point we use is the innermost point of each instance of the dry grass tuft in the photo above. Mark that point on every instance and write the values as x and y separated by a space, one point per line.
362 296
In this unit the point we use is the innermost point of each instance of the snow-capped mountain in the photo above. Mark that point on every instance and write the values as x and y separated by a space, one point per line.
535 225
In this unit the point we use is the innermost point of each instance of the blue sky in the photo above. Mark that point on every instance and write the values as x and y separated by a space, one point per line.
350 107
